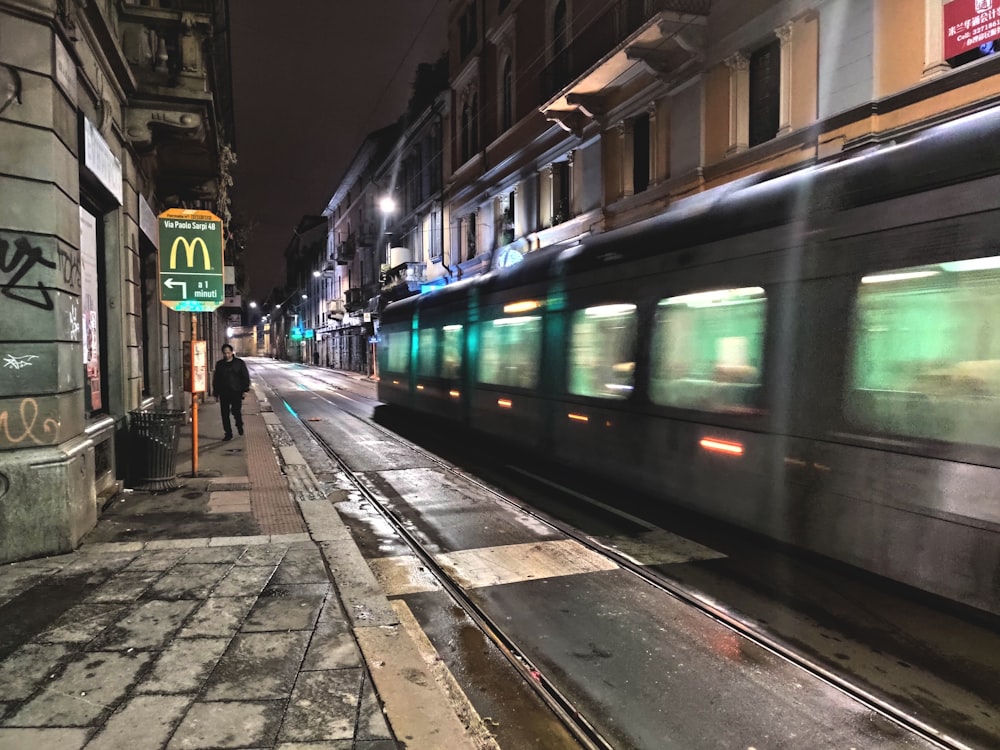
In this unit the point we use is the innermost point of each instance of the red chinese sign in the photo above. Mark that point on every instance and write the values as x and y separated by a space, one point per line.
968 24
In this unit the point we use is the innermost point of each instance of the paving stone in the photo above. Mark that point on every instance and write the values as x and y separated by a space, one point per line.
16 580
26 668
157 559
302 538
287 608
216 554
42 739
55 562
376 745
371 720
258 666
301 566
218 616
246 541
184 666
83 623
244 580
243 724
104 548
149 625
189 581
94 569
142 722
126 586
323 706
331 745
332 647
176 543
269 554
91 684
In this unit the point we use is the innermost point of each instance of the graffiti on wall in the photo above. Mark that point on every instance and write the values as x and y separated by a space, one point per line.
69 266
27 427
19 362
15 265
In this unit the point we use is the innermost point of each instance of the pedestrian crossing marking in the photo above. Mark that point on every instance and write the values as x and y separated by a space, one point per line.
659 547
514 563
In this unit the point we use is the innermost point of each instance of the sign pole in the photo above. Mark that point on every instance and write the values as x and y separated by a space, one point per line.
194 398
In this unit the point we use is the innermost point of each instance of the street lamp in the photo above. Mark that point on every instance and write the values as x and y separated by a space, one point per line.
387 204
253 305
316 274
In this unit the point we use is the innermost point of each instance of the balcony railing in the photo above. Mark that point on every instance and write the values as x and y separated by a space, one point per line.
346 250
366 234
354 299
608 31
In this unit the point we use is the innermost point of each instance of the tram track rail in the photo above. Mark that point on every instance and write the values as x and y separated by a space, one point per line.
576 723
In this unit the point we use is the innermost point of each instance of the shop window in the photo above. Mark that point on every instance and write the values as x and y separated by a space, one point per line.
707 350
602 351
926 353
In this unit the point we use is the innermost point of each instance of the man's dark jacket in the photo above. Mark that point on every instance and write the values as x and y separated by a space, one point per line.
231 378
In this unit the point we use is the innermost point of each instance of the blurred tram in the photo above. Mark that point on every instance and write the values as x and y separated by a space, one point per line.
814 356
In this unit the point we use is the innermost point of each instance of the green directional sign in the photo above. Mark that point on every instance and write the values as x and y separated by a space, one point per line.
191 274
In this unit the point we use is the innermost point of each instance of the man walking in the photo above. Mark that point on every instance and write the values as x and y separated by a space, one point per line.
230 381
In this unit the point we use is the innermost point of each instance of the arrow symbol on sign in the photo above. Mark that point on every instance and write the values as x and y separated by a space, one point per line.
170 284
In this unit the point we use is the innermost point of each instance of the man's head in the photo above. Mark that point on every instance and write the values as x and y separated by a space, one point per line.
227 351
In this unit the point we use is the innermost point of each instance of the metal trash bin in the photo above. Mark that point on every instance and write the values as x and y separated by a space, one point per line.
154 437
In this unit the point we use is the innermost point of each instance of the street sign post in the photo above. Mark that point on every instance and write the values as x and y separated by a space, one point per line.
191 270
192 280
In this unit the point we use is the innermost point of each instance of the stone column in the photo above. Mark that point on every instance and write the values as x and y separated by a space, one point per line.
934 62
784 34
739 103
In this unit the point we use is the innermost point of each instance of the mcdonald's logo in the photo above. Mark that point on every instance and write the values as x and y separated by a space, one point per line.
189 250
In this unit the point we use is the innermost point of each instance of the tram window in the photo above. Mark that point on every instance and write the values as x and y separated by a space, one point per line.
451 351
398 357
707 350
509 350
427 352
602 351
926 353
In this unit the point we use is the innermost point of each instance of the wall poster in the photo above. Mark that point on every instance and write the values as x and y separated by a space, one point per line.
90 307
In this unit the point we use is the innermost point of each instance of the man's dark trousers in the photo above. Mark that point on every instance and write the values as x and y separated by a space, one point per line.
231 402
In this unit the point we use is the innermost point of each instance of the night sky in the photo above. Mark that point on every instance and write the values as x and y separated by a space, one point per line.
311 78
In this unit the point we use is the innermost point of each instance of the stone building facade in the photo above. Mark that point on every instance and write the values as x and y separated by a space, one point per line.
107 117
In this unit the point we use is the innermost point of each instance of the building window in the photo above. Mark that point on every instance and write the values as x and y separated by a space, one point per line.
559 29
465 132
640 153
765 92
469 137
507 96
467 237
561 191
504 219
502 6
468 28
474 125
